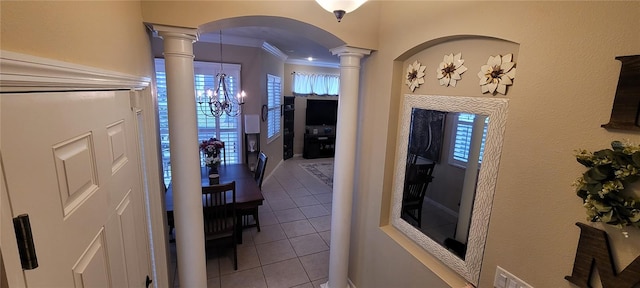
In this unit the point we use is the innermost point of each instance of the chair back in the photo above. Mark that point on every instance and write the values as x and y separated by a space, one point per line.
219 211
417 179
260 167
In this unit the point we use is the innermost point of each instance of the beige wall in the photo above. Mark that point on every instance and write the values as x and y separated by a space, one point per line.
358 27
274 66
563 92
108 35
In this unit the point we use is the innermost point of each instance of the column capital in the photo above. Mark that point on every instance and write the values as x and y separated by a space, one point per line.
164 31
350 51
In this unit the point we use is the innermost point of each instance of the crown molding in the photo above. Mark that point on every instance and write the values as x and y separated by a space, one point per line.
274 51
22 73
313 63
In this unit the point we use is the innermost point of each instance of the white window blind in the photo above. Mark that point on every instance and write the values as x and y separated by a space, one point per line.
274 94
223 128
315 84
463 125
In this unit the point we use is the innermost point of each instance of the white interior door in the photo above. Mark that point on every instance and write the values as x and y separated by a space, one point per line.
71 164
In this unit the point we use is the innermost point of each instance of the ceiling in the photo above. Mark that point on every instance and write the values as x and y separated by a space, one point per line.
295 46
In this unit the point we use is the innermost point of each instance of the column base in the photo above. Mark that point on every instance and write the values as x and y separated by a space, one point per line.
349 284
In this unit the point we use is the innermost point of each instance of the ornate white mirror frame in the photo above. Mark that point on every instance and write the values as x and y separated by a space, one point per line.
496 110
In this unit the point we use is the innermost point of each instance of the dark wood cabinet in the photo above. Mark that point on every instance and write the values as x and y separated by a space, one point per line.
287 131
319 142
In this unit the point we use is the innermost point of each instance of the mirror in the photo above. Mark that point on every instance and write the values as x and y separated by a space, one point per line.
445 172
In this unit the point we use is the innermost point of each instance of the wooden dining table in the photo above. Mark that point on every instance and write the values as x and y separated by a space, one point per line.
248 193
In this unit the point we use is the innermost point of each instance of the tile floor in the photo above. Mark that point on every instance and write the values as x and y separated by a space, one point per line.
437 223
292 249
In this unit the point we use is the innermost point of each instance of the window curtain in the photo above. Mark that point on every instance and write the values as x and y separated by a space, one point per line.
315 84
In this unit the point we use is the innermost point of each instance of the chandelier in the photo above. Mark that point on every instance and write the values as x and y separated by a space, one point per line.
218 101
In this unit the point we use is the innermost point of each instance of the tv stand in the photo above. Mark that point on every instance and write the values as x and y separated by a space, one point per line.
319 142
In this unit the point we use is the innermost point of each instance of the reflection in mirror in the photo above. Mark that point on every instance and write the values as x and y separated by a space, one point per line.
445 173
445 201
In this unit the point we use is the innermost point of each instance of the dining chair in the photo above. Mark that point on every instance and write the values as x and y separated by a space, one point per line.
258 177
260 167
417 179
219 213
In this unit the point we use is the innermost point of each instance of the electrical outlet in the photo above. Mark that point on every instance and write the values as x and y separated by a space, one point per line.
504 279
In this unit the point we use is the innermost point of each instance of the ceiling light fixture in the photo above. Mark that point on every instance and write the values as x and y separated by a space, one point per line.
340 7
219 101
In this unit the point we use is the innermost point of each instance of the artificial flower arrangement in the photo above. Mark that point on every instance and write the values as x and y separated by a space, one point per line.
601 186
211 149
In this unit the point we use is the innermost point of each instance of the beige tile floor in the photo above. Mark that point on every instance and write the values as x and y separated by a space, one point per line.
292 248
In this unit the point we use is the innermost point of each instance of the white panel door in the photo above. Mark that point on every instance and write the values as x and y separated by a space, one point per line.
71 163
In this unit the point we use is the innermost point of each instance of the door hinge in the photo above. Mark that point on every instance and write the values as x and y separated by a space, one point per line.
27 250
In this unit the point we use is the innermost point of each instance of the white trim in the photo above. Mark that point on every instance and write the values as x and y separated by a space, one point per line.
344 49
313 63
21 72
230 40
274 170
159 28
274 51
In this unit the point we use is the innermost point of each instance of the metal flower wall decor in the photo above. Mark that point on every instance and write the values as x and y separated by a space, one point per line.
415 75
449 70
497 74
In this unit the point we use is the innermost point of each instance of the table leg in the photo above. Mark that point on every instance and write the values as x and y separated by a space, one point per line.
239 228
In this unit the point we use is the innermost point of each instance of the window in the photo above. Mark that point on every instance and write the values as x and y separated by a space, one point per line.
224 128
274 94
463 128
315 84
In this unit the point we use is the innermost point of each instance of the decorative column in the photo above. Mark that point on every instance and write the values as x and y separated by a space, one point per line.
344 165
185 157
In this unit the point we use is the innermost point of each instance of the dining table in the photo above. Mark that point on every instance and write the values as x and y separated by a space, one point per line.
248 193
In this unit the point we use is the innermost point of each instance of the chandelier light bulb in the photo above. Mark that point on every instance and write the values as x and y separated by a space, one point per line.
214 106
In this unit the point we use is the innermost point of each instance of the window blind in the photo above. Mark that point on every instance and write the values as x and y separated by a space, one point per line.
462 140
274 94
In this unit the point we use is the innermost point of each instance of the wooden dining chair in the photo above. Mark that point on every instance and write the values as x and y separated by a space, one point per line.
219 214
417 179
260 167
253 212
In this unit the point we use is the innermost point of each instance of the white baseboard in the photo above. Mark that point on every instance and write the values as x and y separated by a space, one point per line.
274 169
349 284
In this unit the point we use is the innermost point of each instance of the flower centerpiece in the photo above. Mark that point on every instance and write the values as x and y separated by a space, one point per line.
601 186
211 150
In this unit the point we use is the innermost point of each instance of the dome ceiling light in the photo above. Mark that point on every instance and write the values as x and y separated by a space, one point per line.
340 7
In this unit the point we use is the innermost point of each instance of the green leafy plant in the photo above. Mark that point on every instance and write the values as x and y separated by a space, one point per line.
602 186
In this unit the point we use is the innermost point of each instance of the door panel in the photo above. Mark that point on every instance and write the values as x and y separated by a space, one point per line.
91 270
70 160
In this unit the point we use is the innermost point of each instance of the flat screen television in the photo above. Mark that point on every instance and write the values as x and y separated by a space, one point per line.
321 112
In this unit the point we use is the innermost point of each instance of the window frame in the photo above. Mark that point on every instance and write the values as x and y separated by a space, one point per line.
218 127
274 100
